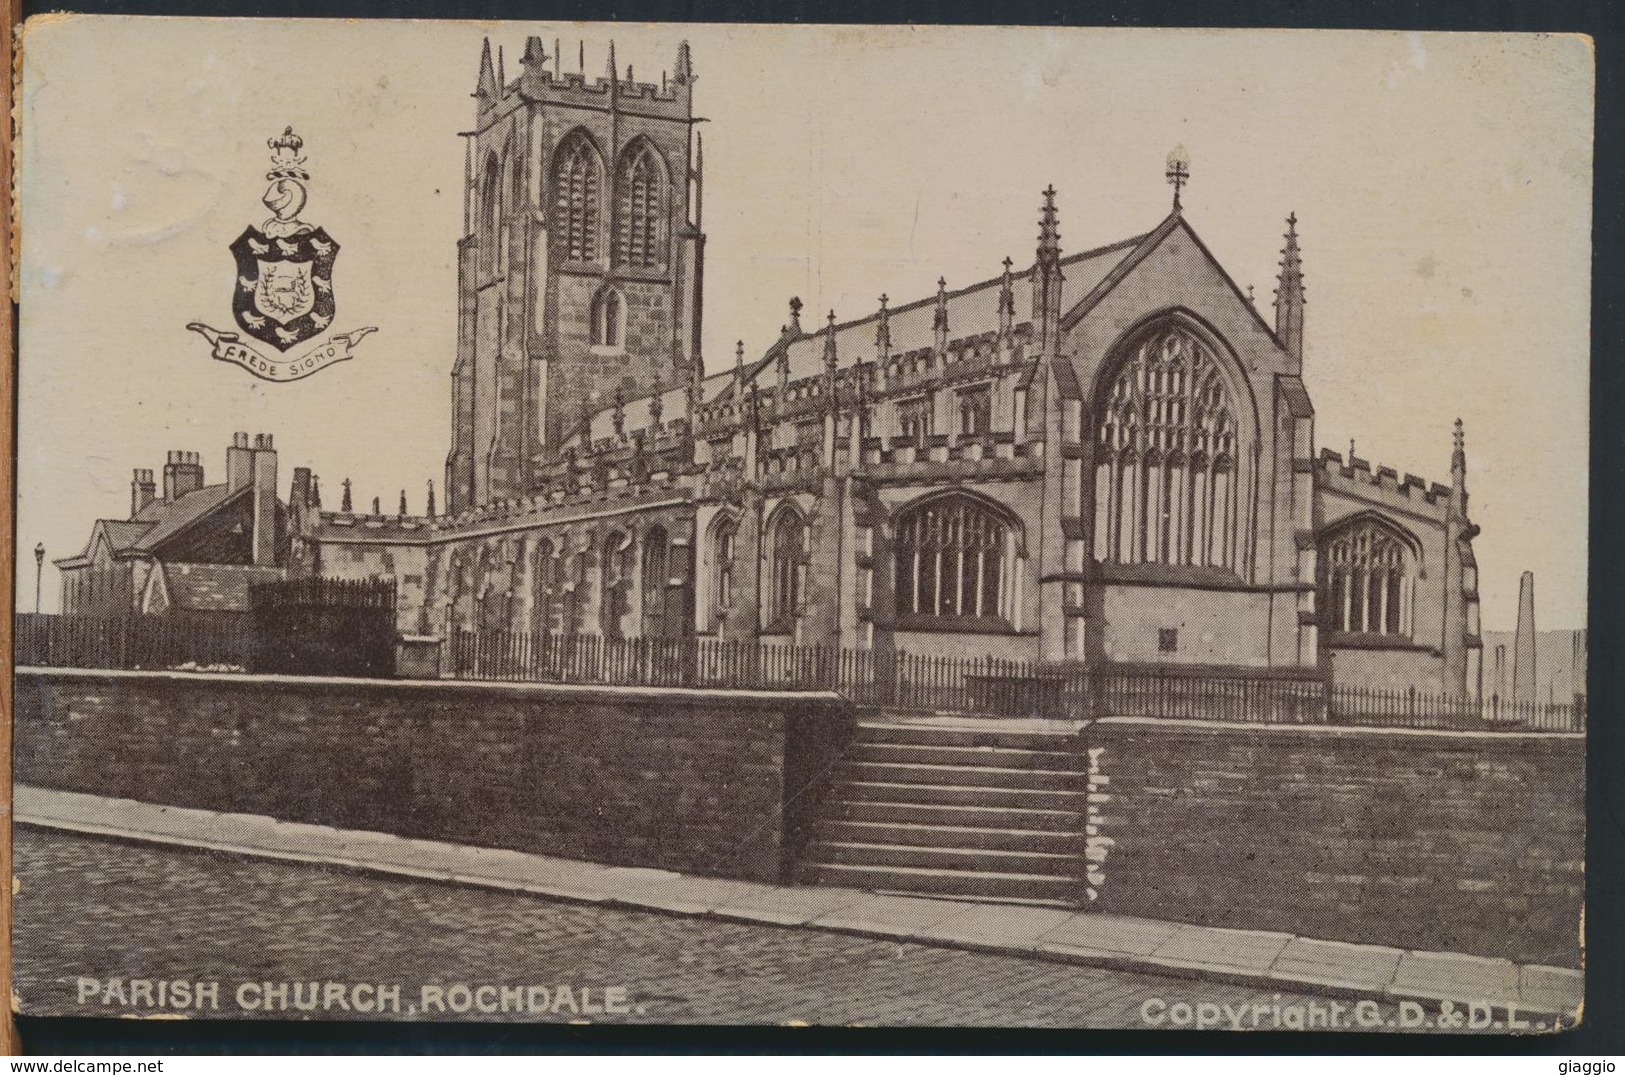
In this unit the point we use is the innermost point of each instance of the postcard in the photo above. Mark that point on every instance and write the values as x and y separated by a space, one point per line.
732 524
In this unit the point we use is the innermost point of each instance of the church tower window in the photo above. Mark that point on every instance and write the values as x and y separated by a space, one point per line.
953 559
639 207
1166 458
608 319
490 216
1366 569
578 181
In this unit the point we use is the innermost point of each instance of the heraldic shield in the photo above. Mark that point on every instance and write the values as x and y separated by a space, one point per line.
284 293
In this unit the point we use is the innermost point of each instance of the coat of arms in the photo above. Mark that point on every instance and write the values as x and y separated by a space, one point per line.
284 285
284 290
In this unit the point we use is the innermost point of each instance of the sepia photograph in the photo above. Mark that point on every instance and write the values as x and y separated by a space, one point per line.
751 525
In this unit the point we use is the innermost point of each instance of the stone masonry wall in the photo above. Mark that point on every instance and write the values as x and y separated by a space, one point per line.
672 779
1462 842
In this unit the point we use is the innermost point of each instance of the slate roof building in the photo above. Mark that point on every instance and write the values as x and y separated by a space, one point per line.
1103 457
187 546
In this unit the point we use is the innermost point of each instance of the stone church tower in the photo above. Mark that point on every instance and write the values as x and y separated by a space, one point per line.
580 266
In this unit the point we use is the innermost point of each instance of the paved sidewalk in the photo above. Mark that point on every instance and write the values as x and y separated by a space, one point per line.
1248 957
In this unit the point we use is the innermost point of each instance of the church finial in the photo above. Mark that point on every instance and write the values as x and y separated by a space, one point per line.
487 85
683 72
377 508
344 502
1007 300
1049 234
883 328
1458 454
1047 276
831 361
502 72
794 328
1289 300
609 65
316 491
939 319
1179 171
739 370
430 509
402 512
535 54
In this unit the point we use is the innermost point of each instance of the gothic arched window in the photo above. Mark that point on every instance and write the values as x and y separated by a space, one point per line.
1166 458
490 219
655 576
638 210
724 542
608 318
615 572
954 556
1366 571
785 569
578 182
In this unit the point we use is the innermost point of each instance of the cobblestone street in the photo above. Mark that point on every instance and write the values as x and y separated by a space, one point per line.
106 911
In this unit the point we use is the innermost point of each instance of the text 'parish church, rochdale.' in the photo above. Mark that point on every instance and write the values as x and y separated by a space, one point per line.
1105 456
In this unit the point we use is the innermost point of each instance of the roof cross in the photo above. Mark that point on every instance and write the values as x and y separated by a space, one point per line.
1179 171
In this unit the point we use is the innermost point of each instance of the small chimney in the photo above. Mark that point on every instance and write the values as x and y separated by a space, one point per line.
263 470
143 491
183 473
239 462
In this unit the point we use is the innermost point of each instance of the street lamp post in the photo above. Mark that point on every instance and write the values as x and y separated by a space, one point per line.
39 573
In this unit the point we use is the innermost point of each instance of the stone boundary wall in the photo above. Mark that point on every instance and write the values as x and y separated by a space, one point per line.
1445 841
704 782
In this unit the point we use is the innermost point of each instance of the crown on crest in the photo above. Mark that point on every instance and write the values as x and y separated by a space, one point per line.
285 158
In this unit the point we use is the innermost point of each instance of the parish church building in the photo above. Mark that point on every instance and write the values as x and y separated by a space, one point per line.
1103 457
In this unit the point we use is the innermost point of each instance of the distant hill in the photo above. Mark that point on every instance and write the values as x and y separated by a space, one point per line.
1554 661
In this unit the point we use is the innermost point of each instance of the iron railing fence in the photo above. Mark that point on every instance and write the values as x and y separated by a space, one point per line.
897 680
1410 708
988 685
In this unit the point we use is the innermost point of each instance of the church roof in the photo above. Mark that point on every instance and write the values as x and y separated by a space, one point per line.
972 311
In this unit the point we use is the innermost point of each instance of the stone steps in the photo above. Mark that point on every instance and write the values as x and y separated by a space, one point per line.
988 756
963 775
950 815
952 884
963 808
914 834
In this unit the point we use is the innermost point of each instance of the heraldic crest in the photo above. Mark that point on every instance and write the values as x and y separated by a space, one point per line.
283 294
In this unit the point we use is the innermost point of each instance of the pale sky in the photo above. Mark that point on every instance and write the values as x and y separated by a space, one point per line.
1442 184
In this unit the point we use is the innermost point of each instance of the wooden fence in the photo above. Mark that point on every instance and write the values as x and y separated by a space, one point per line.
177 640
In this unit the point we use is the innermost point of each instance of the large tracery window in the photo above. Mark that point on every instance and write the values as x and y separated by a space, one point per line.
953 557
638 207
1166 458
1365 580
786 569
578 181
